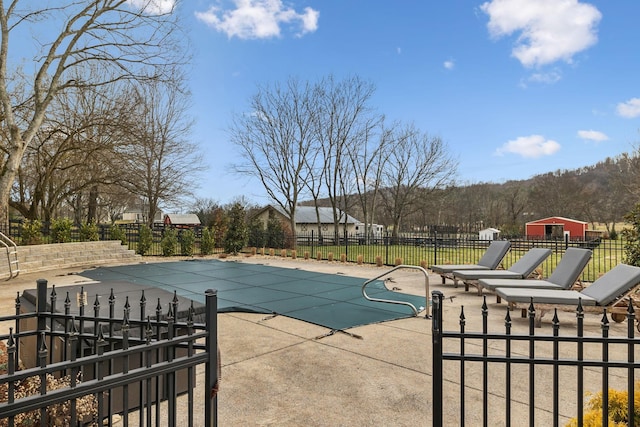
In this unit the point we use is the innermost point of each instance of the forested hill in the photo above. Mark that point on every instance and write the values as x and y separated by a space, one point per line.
601 193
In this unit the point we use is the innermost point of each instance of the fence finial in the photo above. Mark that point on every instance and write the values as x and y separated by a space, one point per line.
170 313
190 315
127 306
580 309
10 341
149 330
605 319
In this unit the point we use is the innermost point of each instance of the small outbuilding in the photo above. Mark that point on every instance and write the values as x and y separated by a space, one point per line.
489 234
182 220
556 227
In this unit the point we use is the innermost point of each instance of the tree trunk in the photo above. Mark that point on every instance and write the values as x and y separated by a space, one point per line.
294 233
9 172
92 209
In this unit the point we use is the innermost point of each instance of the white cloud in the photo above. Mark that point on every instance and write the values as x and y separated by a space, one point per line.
154 7
309 20
548 30
449 65
258 19
593 135
629 109
533 146
548 78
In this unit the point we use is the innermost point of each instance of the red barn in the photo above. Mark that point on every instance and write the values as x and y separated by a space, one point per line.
556 227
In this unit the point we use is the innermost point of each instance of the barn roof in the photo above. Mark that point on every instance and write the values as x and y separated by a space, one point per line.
182 219
556 220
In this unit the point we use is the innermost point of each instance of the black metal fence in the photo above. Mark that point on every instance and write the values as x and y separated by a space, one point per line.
426 250
64 368
422 249
130 232
535 372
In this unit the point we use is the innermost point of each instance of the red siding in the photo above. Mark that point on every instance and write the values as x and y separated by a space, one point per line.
535 230
538 228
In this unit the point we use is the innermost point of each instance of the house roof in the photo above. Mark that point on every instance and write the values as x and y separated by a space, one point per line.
307 215
177 219
490 229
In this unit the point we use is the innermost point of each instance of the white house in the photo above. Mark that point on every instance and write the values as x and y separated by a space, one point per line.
306 219
137 215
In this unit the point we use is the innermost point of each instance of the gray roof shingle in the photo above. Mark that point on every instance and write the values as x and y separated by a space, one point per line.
307 215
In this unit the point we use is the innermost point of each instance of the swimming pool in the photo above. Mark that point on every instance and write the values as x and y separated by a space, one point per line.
334 301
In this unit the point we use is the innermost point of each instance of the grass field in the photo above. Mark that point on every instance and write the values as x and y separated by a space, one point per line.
605 256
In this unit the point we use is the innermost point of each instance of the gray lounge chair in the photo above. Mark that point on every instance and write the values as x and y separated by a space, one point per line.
489 261
564 276
613 291
522 269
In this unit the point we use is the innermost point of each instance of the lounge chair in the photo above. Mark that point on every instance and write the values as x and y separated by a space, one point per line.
522 269
612 291
564 276
489 261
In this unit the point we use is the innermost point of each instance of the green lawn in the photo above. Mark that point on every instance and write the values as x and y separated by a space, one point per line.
605 256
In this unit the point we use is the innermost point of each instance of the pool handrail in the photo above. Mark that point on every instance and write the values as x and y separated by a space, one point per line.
389 301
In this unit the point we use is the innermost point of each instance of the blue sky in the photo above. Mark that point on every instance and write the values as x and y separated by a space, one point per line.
514 87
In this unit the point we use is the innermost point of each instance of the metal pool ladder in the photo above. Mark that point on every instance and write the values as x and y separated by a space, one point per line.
12 255
390 301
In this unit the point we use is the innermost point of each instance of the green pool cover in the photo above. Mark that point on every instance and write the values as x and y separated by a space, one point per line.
331 300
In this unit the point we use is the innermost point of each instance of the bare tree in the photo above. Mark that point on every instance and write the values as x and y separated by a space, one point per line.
72 154
516 197
628 174
368 160
114 200
558 193
342 124
161 163
205 209
275 140
466 206
315 179
416 162
612 189
132 43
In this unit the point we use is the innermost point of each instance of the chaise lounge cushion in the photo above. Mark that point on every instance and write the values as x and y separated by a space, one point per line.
490 260
602 292
564 276
613 284
544 296
521 269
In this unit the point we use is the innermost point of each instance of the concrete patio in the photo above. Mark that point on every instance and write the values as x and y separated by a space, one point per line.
285 372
